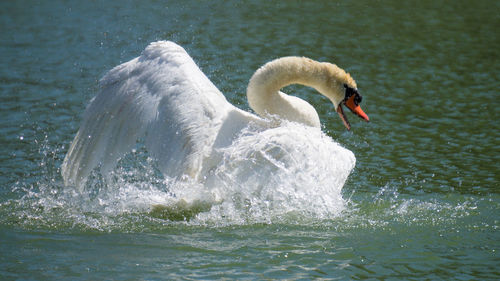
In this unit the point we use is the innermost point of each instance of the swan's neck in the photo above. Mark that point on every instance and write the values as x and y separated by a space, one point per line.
264 95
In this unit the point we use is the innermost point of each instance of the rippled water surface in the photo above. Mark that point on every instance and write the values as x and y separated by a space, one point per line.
422 202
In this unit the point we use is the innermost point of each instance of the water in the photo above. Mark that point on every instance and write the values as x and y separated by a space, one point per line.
422 202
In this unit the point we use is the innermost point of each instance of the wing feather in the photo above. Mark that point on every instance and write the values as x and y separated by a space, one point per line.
162 96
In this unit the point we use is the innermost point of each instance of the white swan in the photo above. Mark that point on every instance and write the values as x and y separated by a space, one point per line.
165 98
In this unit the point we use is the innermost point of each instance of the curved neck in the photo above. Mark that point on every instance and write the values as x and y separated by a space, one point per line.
265 98
279 73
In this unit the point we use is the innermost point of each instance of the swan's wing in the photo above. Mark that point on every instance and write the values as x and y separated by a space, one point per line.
161 95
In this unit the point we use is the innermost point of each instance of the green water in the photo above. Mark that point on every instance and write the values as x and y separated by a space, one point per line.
422 203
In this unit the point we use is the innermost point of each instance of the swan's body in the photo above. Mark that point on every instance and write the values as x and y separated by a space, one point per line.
187 123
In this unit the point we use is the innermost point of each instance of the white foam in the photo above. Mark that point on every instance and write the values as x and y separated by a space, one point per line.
264 176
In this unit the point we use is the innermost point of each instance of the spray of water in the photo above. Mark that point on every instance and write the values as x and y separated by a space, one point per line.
287 173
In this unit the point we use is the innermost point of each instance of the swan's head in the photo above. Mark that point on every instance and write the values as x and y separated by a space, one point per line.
341 89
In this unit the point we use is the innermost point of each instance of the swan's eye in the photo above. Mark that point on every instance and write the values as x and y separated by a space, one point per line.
352 92
357 99
349 92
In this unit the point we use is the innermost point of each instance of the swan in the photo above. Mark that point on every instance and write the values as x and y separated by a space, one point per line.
163 97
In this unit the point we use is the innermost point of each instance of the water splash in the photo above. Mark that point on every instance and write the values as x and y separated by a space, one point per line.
288 173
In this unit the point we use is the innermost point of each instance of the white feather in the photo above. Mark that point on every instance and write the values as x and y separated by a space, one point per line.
187 123
161 95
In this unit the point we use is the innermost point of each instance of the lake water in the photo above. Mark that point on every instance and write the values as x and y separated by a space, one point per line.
422 202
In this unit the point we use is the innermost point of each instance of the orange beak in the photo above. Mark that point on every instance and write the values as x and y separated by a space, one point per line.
355 108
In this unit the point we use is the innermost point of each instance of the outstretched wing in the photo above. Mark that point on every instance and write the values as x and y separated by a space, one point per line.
161 95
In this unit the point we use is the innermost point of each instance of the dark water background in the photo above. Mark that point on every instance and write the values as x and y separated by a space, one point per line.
422 203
